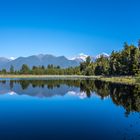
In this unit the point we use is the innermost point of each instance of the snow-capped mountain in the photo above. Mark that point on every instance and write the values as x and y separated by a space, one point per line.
12 58
80 58
45 60
102 54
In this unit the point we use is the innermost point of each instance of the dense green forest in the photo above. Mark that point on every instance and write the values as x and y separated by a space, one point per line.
124 62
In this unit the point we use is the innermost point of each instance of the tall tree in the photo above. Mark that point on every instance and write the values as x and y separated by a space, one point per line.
102 66
87 67
88 61
3 71
139 44
11 69
25 69
115 63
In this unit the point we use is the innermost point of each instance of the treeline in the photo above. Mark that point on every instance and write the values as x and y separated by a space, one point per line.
41 70
124 62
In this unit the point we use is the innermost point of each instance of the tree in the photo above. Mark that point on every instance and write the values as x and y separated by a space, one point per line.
102 66
88 71
98 70
82 66
3 71
88 61
25 69
125 62
11 69
130 56
139 44
50 66
115 64
87 67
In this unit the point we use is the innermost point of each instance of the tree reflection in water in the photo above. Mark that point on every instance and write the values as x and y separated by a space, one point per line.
127 96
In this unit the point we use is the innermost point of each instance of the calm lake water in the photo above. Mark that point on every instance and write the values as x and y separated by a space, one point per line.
68 109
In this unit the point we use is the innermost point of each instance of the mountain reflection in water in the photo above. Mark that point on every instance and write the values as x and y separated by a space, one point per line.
127 96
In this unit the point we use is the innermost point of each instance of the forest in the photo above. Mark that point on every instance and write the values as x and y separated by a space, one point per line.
125 62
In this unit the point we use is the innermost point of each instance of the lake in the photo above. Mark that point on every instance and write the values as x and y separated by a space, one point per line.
68 109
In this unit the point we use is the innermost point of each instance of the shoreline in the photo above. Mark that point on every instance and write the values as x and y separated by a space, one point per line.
118 79
128 80
45 76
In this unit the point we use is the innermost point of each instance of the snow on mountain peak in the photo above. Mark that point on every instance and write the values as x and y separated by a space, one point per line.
12 58
102 54
81 57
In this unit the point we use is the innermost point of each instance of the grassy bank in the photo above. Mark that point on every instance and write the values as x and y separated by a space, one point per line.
47 76
121 79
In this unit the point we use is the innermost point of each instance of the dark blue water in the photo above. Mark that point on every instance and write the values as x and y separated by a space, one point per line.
66 109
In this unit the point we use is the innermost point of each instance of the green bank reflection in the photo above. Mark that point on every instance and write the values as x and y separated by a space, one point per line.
127 96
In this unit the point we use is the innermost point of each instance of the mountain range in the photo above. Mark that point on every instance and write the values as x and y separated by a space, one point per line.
45 60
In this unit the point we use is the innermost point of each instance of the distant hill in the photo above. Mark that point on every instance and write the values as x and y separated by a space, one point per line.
3 61
43 59
38 60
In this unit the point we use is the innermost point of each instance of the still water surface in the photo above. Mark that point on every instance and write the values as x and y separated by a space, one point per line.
68 109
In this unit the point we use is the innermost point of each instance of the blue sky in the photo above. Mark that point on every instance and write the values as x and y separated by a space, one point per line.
67 27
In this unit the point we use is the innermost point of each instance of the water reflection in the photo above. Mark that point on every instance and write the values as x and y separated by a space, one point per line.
127 96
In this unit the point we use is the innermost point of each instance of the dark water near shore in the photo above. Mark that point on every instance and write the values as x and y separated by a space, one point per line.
68 109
